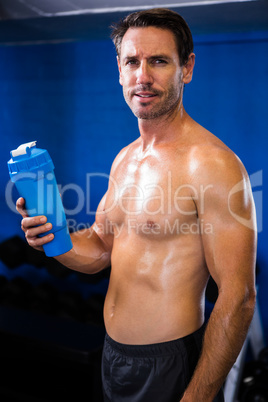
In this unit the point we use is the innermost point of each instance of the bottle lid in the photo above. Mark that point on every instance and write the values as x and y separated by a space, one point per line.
27 158
23 149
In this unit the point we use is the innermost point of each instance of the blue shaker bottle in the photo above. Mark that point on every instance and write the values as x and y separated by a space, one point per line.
32 171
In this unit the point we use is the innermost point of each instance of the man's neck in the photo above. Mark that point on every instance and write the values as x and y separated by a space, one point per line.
164 129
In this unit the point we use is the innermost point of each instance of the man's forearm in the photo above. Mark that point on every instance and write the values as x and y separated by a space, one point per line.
223 340
88 254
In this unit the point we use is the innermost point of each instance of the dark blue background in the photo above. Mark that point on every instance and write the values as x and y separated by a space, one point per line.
68 98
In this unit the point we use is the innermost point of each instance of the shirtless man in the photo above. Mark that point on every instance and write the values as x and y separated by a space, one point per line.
178 209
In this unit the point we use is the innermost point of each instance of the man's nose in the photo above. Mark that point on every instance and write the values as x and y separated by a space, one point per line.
144 74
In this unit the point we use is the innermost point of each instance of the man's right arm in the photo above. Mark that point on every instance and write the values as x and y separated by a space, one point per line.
91 250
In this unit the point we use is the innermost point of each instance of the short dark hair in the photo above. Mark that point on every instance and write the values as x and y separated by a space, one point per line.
160 18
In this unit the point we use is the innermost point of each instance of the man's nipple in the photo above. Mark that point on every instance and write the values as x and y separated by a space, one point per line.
150 224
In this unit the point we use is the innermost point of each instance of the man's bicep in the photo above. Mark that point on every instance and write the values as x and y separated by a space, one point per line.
102 226
230 245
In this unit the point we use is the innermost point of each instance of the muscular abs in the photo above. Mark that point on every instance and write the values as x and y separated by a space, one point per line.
158 270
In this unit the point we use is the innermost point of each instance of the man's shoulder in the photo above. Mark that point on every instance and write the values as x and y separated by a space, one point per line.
123 153
211 158
212 152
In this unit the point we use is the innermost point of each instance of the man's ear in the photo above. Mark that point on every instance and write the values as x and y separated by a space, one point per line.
188 69
119 69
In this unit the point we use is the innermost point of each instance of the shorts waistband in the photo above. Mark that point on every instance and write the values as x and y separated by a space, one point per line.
157 349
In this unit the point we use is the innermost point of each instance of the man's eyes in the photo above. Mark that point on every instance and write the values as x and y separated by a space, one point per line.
132 61
153 61
160 61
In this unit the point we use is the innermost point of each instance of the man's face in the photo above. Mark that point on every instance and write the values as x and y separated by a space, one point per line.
150 72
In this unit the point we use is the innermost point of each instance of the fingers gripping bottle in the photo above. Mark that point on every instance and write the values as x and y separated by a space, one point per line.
32 171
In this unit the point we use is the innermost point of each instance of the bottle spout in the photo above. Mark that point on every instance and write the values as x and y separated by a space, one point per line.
23 149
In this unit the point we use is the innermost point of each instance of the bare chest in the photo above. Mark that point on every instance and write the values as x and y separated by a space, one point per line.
152 198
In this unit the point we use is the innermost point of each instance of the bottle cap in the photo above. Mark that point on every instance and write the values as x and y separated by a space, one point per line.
29 159
23 149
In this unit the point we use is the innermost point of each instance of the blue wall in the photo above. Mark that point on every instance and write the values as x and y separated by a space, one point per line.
68 98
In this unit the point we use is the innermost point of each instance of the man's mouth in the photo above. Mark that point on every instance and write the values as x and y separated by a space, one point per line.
145 95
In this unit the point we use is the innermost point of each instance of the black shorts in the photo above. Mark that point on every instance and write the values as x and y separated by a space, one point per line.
150 373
